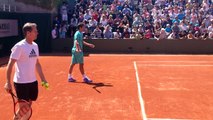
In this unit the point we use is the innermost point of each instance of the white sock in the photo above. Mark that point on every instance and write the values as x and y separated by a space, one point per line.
69 76
84 76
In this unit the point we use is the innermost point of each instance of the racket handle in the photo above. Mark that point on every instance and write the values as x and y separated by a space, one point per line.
45 84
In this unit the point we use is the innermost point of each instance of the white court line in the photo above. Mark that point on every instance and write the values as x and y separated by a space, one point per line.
176 61
167 119
143 113
173 65
148 55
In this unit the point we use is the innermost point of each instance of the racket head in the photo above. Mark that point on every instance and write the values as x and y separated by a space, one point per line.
23 110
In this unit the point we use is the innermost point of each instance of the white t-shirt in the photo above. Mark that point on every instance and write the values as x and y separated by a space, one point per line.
26 55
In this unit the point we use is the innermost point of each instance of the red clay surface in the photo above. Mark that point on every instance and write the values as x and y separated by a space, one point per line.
175 90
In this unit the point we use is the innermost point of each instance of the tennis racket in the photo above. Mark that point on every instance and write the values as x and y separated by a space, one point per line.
22 108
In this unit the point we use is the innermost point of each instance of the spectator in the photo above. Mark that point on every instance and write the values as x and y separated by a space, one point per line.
56 22
190 35
110 20
126 33
171 36
176 30
156 14
126 10
183 35
210 28
81 17
203 28
162 35
136 22
63 30
125 20
87 16
117 34
148 34
95 15
197 35
108 33
86 34
97 33
183 26
92 24
73 24
104 20
141 30
157 29
64 15
117 22
210 35
168 29
54 32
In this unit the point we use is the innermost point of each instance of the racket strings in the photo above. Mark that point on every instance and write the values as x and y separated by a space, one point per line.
23 111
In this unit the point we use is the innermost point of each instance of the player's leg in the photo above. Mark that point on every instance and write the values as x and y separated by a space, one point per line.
23 93
85 78
73 62
81 67
71 68
70 77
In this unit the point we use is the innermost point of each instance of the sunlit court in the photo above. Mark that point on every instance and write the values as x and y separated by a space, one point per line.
125 87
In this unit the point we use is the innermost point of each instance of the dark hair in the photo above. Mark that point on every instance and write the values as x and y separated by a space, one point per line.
80 25
28 27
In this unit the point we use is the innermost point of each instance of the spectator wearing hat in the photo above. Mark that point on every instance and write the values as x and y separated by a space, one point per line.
168 29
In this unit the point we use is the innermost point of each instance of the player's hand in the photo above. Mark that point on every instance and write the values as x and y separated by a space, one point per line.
45 84
8 87
91 45
78 50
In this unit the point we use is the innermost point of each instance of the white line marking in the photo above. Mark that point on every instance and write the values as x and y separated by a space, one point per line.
173 65
139 93
167 119
148 55
176 61
143 113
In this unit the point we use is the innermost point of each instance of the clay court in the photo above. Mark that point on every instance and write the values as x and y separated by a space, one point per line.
125 87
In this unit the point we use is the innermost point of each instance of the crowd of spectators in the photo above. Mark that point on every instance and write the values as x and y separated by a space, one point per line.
149 19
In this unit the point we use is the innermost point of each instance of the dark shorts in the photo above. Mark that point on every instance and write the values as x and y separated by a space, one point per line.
27 91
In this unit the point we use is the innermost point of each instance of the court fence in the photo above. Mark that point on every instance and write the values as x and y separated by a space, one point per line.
139 46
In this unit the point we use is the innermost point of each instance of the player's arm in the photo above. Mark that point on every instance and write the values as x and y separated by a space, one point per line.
10 65
88 44
78 48
40 72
